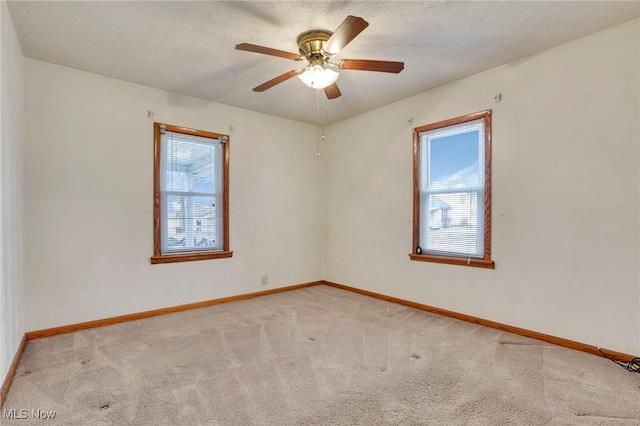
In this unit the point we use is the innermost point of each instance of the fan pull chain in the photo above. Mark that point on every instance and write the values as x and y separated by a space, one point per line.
318 124
323 137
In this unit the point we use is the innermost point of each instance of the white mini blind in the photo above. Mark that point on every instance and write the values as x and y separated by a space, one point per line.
452 172
191 193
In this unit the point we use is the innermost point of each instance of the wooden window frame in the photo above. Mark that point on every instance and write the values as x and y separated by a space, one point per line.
485 261
158 257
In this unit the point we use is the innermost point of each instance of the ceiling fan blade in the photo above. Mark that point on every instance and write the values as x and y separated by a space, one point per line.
347 31
368 65
267 51
279 79
332 91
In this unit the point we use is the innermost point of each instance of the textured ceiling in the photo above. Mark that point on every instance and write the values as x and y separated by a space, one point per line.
188 47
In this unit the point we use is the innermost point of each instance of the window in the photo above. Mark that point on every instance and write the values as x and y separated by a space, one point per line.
452 191
191 195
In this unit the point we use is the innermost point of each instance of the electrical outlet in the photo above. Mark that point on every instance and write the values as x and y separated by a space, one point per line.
264 280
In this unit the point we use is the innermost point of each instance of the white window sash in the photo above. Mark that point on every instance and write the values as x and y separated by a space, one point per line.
218 195
428 229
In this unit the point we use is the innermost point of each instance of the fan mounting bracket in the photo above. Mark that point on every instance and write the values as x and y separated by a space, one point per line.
310 44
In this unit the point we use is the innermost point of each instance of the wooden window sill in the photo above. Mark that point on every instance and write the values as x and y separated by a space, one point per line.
187 257
476 263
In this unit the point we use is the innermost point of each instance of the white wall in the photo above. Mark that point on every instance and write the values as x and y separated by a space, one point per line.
12 325
565 195
89 199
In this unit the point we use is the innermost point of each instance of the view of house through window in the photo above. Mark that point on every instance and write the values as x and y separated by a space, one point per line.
191 194
452 191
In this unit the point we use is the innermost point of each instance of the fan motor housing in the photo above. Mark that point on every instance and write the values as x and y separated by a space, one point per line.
310 43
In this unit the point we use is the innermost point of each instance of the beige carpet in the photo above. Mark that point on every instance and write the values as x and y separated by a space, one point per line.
315 356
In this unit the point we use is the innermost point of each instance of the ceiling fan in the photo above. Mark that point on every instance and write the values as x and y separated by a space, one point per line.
316 48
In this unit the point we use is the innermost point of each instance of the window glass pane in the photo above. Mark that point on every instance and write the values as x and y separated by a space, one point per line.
189 166
452 221
191 223
454 161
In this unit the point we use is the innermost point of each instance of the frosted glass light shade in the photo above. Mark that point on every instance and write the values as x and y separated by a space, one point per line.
318 77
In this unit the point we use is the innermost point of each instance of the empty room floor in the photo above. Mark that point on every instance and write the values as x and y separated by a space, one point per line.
314 356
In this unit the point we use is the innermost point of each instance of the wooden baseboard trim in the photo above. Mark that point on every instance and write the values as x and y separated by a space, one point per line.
12 370
487 323
147 314
583 347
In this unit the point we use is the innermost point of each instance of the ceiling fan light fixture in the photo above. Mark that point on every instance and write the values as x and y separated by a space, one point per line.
318 76
316 48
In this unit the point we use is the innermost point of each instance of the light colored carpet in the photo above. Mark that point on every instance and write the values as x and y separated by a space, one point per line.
315 356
